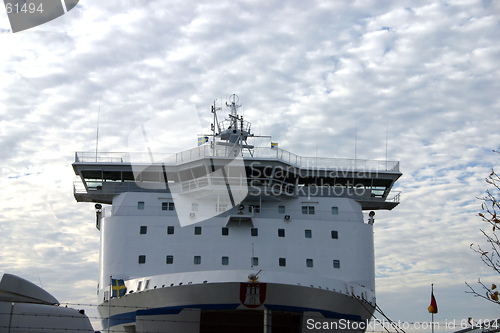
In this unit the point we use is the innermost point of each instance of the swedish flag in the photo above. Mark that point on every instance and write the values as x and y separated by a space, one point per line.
202 140
118 287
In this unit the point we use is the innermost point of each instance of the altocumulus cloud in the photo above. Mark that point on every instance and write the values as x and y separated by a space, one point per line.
311 74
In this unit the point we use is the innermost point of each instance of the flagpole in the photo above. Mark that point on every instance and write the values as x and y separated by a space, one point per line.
432 320
109 301
432 323
433 308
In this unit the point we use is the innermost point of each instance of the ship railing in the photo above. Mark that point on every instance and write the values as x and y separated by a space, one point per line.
79 188
115 187
325 162
217 183
396 197
207 150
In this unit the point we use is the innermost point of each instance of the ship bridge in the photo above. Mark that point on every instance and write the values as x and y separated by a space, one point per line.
269 173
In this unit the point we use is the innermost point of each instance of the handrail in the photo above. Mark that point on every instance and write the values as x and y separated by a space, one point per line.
225 151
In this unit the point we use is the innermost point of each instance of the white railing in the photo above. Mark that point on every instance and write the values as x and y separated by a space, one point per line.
396 197
226 151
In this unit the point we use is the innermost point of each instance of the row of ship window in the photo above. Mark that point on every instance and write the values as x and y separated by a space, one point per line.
225 232
225 261
308 210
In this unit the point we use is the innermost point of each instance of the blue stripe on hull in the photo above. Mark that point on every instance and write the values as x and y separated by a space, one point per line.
130 317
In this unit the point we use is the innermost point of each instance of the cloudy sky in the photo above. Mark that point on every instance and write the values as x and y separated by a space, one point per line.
424 74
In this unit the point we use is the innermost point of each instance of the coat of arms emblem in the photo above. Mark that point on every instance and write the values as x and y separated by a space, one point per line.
252 295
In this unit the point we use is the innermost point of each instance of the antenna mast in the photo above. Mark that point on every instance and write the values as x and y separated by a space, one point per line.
97 131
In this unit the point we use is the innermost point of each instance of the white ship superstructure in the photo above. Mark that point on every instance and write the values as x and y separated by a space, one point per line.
228 237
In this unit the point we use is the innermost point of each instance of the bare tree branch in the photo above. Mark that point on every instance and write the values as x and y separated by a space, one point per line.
490 210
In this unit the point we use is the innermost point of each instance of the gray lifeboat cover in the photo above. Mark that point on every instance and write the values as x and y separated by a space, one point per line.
16 289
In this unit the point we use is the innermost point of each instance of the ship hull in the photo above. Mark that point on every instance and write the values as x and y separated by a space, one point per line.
226 307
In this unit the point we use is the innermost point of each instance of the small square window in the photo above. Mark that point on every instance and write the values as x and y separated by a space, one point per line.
304 209
170 230
140 205
225 261
143 230
336 264
170 259
311 210
142 259
282 261
255 261
309 262
197 230
308 233
335 234
281 209
194 207
197 260
281 232
254 231
225 231
335 210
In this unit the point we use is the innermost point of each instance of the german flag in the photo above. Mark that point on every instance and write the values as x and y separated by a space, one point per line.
433 308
